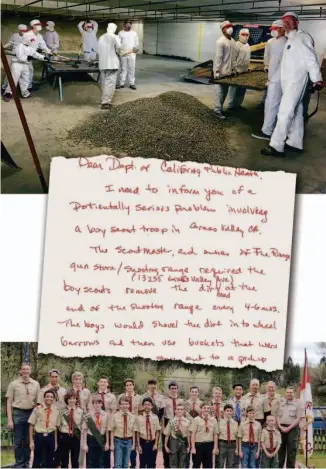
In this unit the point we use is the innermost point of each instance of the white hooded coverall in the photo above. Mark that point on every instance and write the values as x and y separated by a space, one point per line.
299 62
129 41
242 62
52 41
108 50
20 69
89 40
272 60
224 64
13 42
38 44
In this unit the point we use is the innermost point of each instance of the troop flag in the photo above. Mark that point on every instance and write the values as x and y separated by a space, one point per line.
306 435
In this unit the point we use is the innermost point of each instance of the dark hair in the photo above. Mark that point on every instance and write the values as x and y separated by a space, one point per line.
250 409
127 21
50 391
54 370
228 406
204 403
129 380
104 377
147 399
124 399
194 387
152 381
237 385
70 393
173 383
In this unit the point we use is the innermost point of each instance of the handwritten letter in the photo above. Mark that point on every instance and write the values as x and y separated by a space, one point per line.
167 260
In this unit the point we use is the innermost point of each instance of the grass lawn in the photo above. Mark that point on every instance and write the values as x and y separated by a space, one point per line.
7 457
318 459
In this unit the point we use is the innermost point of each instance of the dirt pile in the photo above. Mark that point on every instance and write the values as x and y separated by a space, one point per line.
171 126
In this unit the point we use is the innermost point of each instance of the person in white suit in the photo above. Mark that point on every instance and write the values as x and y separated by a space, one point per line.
129 48
299 63
39 43
242 62
88 29
272 64
108 49
12 43
224 64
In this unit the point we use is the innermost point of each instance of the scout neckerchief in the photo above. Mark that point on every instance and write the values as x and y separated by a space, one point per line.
130 401
217 409
68 415
228 429
153 397
125 425
95 428
251 433
206 423
271 439
48 414
149 435
102 394
270 401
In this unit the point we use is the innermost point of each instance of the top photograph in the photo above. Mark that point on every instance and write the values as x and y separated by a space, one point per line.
227 82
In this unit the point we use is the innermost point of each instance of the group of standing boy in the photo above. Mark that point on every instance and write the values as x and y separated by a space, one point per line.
53 426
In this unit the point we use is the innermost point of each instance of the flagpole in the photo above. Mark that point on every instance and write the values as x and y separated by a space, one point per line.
305 411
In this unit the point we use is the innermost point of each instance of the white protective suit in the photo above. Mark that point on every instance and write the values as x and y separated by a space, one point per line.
108 49
242 62
299 62
20 64
129 41
272 60
224 64
38 44
89 39
51 37
13 42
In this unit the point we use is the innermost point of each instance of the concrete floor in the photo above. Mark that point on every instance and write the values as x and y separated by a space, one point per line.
49 121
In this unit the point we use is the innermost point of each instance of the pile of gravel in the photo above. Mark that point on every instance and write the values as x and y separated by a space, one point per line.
171 126
255 80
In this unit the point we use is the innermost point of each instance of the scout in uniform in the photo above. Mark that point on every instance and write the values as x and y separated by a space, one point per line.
217 403
290 413
109 405
270 443
134 407
72 431
83 395
177 442
22 396
123 429
227 438
98 426
254 399
44 420
157 398
204 438
59 402
171 402
148 431
192 407
271 400
249 435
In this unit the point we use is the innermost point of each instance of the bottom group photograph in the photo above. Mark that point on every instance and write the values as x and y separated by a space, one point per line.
103 412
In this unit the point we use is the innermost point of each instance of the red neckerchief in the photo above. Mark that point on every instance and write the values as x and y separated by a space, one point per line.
228 431
206 422
217 409
71 422
271 439
98 420
125 425
48 414
148 428
193 412
174 404
251 433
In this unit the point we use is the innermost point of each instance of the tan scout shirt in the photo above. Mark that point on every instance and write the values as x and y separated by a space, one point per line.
173 425
257 402
38 418
79 421
59 403
265 438
214 409
117 424
197 409
85 398
136 400
141 425
243 431
223 429
24 396
110 401
271 404
157 398
233 402
198 427
289 411
169 414
105 423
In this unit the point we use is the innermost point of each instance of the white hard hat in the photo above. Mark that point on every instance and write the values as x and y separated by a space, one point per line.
278 24
50 23
35 23
291 13
226 24
112 27
244 31
22 27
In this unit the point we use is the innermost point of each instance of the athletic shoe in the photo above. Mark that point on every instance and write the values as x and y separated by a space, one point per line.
219 114
261 136
270 151
295 149
118 87
132 87
106 106
7 97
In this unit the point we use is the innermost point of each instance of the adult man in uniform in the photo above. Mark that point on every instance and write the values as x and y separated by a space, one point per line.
271 400
289 414
157 398
135 401
54 384
171 402
22 396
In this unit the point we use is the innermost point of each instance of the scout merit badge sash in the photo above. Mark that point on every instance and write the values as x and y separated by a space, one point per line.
178 432
189 408
65 415
94 430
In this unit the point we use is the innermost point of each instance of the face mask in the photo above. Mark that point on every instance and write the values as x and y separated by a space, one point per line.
229 31
243 39
38 28
274 33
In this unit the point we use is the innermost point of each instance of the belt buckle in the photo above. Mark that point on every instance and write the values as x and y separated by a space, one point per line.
45 434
